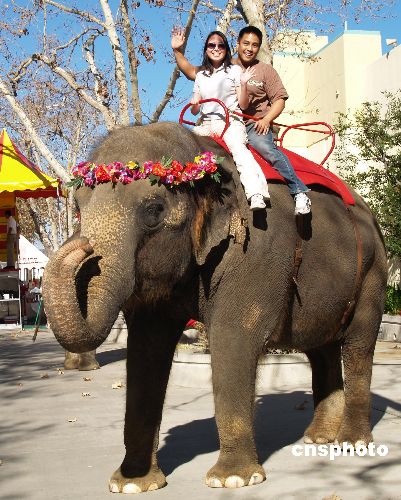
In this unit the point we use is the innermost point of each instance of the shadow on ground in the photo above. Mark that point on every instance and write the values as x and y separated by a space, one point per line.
107 357
275 428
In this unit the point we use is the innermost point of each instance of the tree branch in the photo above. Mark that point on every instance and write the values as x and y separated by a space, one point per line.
108 116
81 13
133 62
174 76
120 72
225 19
25 121
101 92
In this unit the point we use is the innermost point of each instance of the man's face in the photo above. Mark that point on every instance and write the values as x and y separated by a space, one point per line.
248 48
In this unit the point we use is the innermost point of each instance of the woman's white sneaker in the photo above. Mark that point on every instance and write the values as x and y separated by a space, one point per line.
302 204
257 202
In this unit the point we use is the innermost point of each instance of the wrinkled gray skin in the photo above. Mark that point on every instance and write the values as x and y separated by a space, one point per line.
164 256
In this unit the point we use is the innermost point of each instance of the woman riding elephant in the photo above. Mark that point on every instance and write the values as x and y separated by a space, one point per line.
184 248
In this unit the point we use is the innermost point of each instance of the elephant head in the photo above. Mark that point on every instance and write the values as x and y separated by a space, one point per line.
138 243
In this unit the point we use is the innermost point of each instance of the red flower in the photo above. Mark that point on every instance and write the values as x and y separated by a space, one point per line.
102 175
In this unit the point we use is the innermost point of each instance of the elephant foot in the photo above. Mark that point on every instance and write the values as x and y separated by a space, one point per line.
326 420
71 361
154 480
321 432
84 362
224 475
354 433
87 361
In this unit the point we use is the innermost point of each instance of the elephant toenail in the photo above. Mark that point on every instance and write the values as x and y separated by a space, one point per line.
361 442
234 482
213 482
153 486
256 478
321 440
308 440
113 487
131 488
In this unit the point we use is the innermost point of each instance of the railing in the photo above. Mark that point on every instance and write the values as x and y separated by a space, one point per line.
329 132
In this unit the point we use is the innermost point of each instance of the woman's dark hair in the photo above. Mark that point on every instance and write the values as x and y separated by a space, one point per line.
206 64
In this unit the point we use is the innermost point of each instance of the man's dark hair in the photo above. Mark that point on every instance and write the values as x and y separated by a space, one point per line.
206 64
8 213
251 29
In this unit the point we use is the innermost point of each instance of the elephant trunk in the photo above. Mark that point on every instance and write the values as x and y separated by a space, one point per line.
80 321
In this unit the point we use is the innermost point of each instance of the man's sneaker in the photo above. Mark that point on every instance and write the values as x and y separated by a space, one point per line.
257 202
302 204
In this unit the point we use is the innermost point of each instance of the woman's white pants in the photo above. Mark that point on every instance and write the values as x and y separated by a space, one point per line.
251 175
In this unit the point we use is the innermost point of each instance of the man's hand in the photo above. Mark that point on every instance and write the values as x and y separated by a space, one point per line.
247 74
177 37
262 126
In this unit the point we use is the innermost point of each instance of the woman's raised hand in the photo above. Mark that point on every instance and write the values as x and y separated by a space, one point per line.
177 37
247 74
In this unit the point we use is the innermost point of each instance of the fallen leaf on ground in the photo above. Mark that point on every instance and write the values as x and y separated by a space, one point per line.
45 375
117 385
60 371
86 394
19 384
301 406
1 462
72 419
332 497
87 379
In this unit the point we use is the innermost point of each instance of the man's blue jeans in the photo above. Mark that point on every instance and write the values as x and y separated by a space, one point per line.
267 148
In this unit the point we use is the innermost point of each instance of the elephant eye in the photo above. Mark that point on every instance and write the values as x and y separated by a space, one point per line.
153 213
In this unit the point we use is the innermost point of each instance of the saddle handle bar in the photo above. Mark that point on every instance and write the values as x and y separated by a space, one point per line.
287 128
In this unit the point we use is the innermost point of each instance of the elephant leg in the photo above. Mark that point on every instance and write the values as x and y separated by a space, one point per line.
328 394
355 426
85 361
357 353
234 366
149 358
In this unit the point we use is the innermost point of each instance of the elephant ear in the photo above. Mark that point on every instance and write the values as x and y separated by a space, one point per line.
222 210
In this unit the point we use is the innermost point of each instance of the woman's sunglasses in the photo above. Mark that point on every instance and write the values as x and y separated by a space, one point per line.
211 45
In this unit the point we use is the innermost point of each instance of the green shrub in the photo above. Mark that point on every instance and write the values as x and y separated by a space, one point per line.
393 300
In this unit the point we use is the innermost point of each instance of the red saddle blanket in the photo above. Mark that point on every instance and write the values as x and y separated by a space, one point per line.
309 172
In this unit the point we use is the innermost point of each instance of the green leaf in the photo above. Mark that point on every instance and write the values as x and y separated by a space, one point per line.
166 162
216 177
154 179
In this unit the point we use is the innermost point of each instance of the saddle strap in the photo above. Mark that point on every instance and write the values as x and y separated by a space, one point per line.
298 249
358 275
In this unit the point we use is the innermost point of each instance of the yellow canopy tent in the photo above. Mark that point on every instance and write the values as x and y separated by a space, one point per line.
19 177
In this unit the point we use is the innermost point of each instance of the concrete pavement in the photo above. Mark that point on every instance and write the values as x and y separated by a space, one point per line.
61 436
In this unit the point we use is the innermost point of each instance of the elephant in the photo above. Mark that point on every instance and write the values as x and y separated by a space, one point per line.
166 254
